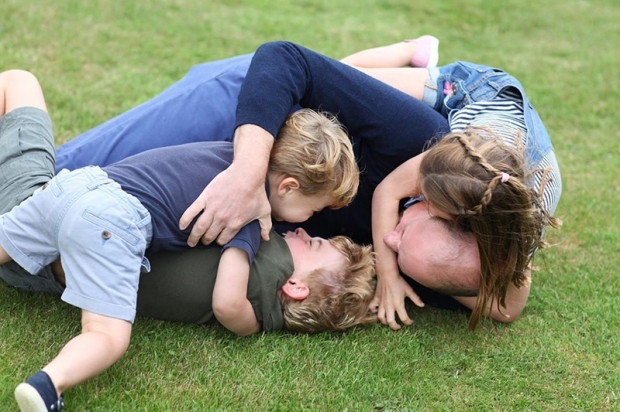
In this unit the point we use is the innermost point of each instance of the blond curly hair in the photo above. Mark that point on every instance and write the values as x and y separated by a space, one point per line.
337 300
314 148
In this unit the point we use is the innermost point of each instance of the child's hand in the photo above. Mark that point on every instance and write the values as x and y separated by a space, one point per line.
390 300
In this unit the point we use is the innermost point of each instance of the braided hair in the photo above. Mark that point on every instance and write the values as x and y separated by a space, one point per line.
481 181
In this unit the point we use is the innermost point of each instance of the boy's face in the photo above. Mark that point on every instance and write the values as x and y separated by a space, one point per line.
294 207
312 253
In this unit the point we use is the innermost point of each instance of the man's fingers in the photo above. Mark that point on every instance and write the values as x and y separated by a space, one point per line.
192 211
265 227
224 236
204 222
264 234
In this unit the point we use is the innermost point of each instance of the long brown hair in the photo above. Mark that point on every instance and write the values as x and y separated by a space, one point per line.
481 181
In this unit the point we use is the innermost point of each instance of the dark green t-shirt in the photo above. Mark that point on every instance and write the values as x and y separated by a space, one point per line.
180 285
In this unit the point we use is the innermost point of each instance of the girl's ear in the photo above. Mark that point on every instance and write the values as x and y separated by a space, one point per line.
287 185
296 290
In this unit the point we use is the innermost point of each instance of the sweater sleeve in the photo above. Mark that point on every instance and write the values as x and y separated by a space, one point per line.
247 239
386 121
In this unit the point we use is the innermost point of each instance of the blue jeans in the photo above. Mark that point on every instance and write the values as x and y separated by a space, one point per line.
474 83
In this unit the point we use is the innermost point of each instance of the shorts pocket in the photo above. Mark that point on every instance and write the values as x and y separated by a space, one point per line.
114 226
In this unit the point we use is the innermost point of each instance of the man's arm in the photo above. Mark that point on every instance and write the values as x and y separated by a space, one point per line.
516 298
281 76
230 303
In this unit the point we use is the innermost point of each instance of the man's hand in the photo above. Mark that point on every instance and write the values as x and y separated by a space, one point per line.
389 300
227 204
237 195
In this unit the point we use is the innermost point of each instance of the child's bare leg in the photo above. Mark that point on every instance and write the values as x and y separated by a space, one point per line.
408 80
4 257
420 52
393 55
19 88
388 64
102 342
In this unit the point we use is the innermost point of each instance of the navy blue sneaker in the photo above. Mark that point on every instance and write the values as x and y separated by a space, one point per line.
38 394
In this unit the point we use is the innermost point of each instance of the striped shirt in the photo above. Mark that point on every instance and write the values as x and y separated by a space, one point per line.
504 116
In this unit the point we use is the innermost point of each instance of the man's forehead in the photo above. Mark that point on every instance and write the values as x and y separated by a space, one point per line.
418 210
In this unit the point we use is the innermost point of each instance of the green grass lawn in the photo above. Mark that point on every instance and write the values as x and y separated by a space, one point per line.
97 59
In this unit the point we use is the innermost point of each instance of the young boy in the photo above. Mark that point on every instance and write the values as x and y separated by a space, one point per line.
102 221
296 282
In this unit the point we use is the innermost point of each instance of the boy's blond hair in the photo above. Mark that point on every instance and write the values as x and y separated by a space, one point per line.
337 300
314 148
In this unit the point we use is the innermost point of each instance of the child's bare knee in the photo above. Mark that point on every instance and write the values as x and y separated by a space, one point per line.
18 75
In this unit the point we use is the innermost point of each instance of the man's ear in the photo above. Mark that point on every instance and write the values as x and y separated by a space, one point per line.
296 290
287 185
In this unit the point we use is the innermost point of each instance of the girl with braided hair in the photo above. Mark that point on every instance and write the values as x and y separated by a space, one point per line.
494 181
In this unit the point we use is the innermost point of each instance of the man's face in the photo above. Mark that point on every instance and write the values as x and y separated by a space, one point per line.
429 253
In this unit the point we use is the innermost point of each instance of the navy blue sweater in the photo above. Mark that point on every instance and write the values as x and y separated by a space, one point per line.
387 127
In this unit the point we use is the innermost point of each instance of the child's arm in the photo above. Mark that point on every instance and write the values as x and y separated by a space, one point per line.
230 303
392 289
516 298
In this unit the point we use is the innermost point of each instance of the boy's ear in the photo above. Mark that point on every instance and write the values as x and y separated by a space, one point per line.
287 185
296 290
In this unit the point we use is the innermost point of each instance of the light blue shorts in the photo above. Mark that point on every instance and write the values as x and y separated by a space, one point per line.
99 230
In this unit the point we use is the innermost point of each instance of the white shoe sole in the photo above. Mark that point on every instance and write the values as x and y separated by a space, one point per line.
434 57
28 399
